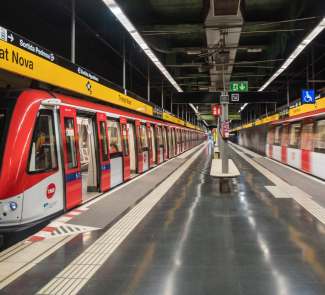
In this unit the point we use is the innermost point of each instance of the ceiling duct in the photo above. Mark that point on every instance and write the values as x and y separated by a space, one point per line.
223 31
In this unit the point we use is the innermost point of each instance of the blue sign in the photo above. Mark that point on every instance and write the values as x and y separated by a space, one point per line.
308 96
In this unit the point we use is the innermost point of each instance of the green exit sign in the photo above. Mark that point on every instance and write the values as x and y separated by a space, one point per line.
238 86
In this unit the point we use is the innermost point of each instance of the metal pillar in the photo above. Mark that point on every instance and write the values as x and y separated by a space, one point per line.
162 94
171 102
73 31
313 66
178 110
148 84
307 69
288 93
225 160
223 141
124 65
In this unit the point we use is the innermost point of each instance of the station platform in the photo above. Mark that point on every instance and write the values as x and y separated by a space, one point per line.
171 231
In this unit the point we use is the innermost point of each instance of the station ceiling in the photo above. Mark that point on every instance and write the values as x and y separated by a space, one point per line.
188 40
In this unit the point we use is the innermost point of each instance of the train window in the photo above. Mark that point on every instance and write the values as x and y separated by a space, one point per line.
294 136
144 137
319 140
285 136
125 140
71 142
114 134
307 136
277 132
103 139
43 155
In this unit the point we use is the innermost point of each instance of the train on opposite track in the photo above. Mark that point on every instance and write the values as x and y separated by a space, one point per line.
296 140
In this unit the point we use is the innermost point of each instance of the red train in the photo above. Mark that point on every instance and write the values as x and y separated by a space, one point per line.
297 141
56 152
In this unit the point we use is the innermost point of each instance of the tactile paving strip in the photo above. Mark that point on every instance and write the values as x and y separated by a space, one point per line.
77 274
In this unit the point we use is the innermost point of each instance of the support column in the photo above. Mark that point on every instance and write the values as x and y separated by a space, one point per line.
224 118
148 84
288 93
124 65
162 94
307 69
73 31
313 66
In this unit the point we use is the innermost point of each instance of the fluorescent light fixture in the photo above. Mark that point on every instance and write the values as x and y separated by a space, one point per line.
311 36
243 107
126 23
254 50
194 108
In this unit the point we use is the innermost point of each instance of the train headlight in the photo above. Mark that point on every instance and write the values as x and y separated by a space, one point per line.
13 206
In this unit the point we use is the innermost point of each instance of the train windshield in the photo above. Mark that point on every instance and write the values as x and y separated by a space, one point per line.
2 132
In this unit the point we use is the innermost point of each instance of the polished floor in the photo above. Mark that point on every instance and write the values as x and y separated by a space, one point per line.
197 240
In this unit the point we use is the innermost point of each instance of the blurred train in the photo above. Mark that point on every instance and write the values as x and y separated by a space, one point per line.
297 141
57 152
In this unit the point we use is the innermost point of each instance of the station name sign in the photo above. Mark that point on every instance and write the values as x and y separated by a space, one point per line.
25 58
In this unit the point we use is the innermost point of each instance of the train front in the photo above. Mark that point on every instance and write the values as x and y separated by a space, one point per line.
18 113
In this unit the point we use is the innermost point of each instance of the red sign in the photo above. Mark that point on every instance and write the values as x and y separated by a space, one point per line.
216 110
50 190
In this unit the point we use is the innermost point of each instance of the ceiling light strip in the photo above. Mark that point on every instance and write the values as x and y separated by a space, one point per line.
314 33
126 23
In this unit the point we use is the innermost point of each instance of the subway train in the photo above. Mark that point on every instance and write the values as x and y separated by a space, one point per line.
57 152
297 141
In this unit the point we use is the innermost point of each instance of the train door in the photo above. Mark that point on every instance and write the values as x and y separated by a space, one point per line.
132 148
104 161
150 146
183 140
139 146
170 143
73 183
153 144
284 144
159 145
307 137
88 160
188 143
44 163
174 141
126 152
116 151
179 142
294 146
165 142
144 147
270 141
